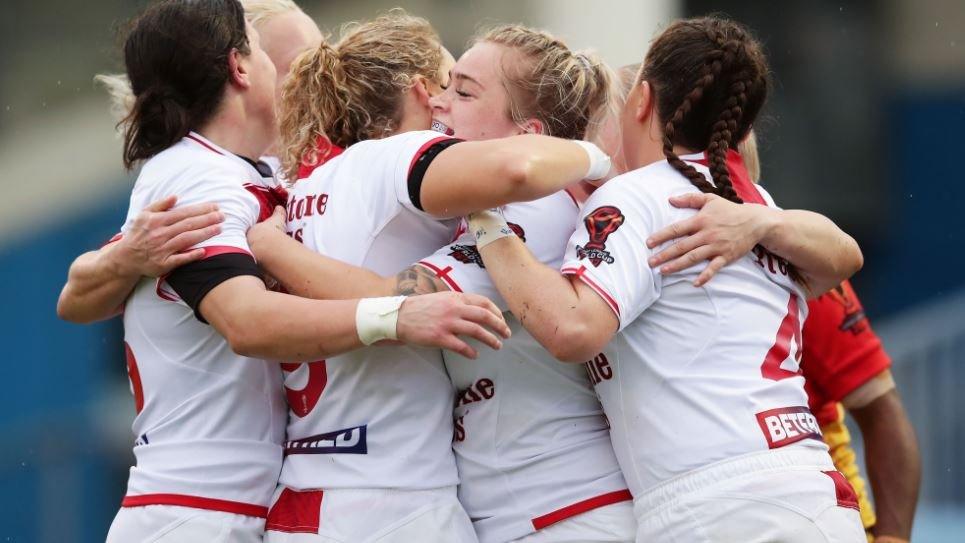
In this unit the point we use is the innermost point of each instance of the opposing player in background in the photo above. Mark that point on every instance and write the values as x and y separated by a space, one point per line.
523 421
707 408
846 368
369 452
210 412
161 237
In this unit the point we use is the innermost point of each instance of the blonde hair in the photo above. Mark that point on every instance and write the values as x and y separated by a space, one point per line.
752 161
352 90
569 92
118 86
260 11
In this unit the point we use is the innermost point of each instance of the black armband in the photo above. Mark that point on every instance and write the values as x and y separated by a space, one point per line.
421 164
194 281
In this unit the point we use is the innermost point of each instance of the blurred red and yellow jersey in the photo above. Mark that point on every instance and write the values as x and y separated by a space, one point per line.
841 353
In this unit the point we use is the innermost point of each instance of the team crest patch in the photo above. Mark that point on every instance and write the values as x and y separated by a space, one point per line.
602 222
854 319
469 254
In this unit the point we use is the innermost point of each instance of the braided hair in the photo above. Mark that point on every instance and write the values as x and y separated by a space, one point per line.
710 78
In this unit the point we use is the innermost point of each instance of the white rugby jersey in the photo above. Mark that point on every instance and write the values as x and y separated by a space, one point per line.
696 375
381 416
532 445
210 423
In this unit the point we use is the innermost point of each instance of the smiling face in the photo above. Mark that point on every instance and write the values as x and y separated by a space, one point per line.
475 106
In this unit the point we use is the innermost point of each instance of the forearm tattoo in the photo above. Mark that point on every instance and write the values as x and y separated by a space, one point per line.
417 280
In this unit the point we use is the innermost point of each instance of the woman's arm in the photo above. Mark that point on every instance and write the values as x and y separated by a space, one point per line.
563 314
892 456
100 281
308 274
263 324
483 174
724 231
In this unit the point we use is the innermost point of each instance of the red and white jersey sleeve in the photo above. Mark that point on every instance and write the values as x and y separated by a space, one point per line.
209 423
841 351
381 416
608 250
217 177
522 418
696 375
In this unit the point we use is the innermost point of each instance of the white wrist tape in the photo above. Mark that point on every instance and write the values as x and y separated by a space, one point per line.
487 226
599 161
376 318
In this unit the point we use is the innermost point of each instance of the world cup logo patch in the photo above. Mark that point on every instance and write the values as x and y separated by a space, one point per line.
602 222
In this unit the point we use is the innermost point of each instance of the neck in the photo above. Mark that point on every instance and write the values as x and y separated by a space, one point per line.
651 150
235 130
410 124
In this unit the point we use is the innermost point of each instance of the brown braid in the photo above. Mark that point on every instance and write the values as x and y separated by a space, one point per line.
710 80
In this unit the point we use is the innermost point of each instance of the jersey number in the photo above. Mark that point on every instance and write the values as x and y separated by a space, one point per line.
789 330
135 376
303 400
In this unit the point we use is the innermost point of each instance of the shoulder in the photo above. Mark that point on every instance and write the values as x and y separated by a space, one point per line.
644 190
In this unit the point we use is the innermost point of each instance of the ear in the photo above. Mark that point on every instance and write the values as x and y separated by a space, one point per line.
644 106
532 126
238 70
421 89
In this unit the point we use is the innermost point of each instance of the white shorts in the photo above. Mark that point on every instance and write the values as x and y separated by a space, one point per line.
791 496
176 524
368 516
613 523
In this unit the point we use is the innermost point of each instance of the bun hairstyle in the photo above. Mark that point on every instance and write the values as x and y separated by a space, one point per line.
710 80
176 57
352 90
567 91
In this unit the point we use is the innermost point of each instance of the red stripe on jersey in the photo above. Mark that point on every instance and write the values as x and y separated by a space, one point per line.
163 294
204 144
423 149
216 250
296 512
196 502
843 490
739 178
581 273
564 513
442 273
135 376
267 198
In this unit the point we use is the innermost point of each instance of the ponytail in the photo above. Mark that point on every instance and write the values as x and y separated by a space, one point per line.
313 107
177 64
352 90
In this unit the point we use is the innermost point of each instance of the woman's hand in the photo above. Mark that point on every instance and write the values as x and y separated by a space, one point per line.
267 229
159 238
721 232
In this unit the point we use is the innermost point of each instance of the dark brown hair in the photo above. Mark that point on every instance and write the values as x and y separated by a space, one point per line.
710 78
176 57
